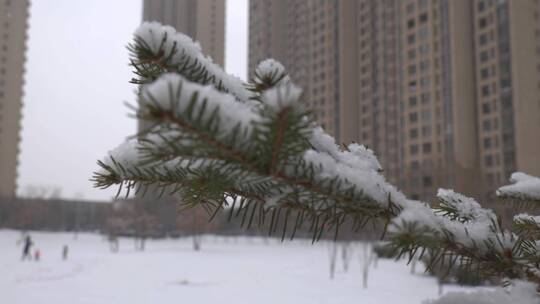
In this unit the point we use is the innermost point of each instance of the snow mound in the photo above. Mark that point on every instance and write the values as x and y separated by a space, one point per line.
524 186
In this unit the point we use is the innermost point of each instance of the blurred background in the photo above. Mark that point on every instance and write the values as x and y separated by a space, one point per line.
446 93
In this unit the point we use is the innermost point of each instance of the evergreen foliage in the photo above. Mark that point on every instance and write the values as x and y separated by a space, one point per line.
217 142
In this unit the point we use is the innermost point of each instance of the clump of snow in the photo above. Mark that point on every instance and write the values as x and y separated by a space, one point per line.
369 182
473 233
466 207
180 90
357 166
282 96
127 154
356 156
528 218
273 69
270 66
524 186
165 37
521 293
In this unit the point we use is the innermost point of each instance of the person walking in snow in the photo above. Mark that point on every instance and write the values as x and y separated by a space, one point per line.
37 255
65 251
26 248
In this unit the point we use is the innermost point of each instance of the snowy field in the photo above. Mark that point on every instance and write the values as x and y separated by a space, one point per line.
227 270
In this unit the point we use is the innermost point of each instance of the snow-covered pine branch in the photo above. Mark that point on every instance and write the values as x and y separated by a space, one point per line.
524 187
159 49
214 140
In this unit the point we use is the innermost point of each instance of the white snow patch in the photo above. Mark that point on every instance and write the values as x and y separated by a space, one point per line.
153 33
227 269
282 96
524 186
231 112
466 207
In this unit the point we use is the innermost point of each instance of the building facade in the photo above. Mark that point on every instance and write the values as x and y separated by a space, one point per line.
303 36
444 91
437 114
507 56
13 36
202 20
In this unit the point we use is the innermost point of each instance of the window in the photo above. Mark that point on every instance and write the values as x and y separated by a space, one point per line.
411 38
412 86
426 115
483 23
412 101
488 161
424 65
413 149
423 49
484 56
426 131
427 181
484 73
486 125
485 108
487 142
483 39
485 90
426 148
413 117
423 33
410 8
410 23
413 133
412 69
425 98
424 82
423 18
411 54
481 6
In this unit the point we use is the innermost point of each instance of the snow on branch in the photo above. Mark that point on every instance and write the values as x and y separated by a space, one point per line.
523 187
460 207
268 74
174 94
159 48
468 225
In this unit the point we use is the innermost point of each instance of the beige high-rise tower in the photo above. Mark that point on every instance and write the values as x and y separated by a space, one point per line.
202 20
13 26
302 36
437 114
507 50
446 92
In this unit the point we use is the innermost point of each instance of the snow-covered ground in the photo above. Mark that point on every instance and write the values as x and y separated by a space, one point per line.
227 270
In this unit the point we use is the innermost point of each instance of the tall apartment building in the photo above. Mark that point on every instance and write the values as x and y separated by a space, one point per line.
437 105
444 91
202 20
13 26
371 90
302 35
507 72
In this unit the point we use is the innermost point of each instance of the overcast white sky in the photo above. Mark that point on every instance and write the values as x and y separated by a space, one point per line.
76 83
